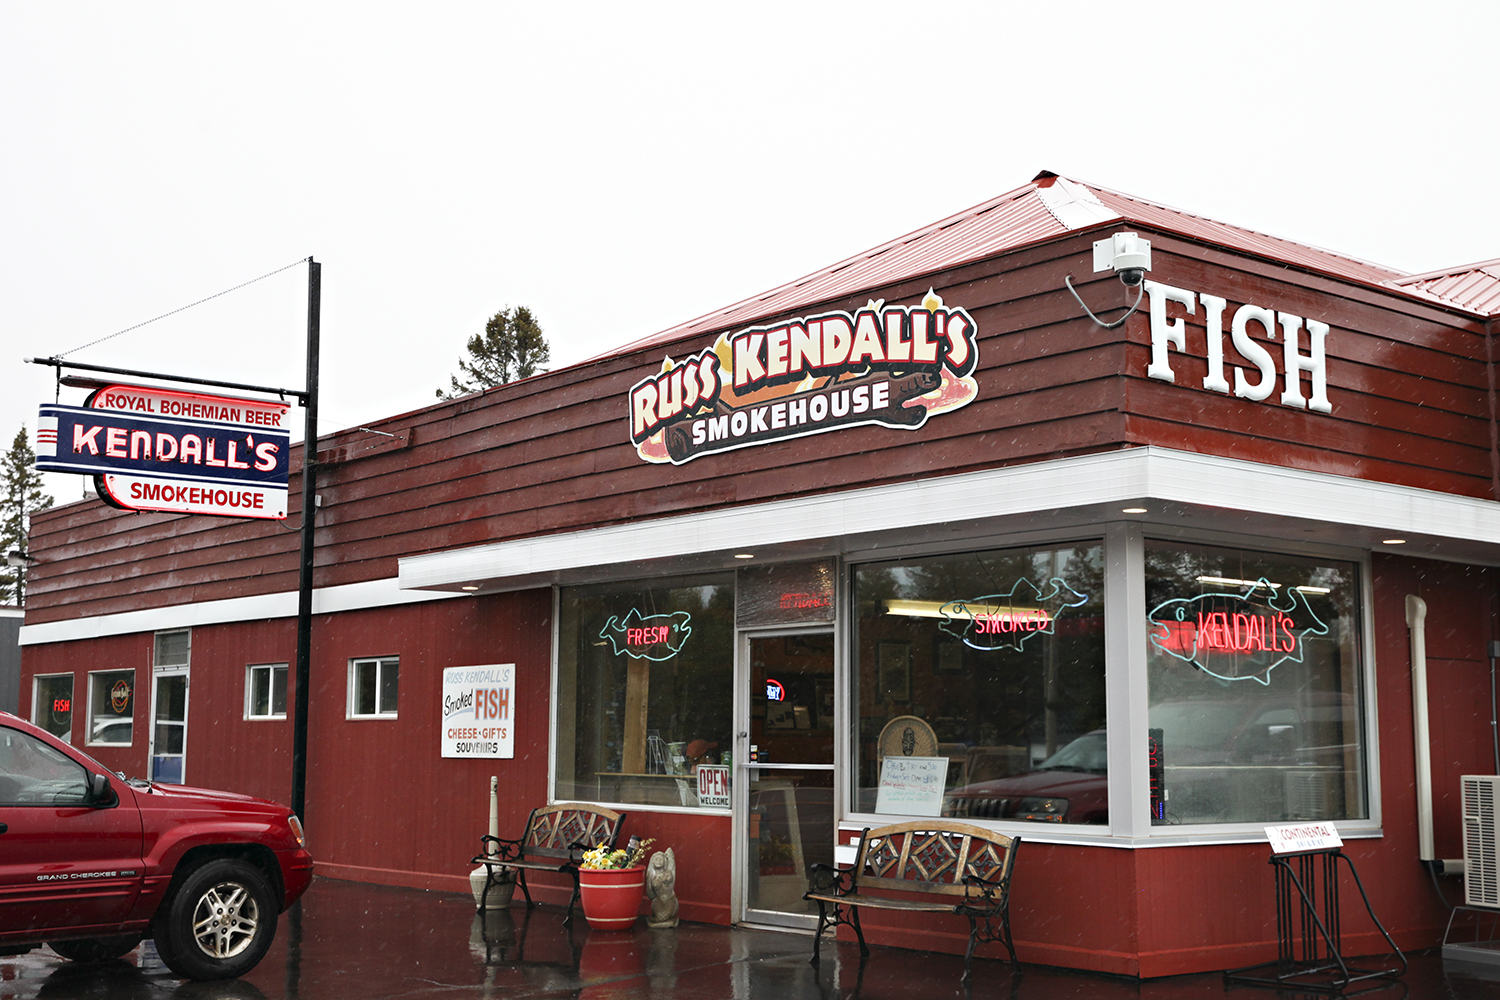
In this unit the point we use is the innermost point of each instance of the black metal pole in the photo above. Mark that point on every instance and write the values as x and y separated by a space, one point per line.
309 517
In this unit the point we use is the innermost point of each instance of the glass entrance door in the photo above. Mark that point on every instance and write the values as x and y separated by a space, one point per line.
169 727
784 808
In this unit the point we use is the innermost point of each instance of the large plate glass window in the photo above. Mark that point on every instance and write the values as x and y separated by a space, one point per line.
1255 686
111 707
645 680
979 685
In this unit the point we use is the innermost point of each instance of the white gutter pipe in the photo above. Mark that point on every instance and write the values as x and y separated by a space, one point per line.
1416 621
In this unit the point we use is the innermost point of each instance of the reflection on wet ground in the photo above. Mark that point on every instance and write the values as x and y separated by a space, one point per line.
348 940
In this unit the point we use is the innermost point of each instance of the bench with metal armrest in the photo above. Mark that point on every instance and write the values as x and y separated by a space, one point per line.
927 866
554 841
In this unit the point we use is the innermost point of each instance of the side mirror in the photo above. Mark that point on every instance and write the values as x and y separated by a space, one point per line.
100 792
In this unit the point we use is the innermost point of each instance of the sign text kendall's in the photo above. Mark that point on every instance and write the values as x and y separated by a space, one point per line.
1256 381
157 449
892 366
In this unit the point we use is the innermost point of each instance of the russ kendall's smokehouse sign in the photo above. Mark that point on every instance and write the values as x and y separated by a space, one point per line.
185 452
893 366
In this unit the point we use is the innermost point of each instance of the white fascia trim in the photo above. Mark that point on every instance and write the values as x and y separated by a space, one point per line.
1129 475
346 597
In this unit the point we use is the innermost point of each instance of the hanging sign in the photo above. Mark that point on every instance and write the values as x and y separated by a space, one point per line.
891 366
158 449
478 709
713 785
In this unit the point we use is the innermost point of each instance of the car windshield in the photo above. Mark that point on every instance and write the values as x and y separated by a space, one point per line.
1090 752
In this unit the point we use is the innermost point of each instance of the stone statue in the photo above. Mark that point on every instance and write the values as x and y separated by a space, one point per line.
661 889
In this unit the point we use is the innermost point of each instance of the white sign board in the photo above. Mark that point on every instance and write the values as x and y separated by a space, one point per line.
1295 837
479 710
912 786
713 785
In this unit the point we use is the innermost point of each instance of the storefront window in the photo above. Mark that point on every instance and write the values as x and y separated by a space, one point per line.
53 709
983 675
1254 680
645 688
111 707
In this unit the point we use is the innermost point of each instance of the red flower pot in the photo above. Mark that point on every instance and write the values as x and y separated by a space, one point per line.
611 896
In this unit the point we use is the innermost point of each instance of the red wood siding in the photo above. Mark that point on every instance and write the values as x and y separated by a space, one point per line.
1409 385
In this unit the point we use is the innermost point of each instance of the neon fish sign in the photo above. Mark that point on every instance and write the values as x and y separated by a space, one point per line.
996 622
648 637
1237 636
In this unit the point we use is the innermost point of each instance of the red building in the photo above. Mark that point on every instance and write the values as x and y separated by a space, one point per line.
1146 589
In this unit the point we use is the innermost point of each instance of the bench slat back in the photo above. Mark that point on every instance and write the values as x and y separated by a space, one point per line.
553 830
930 857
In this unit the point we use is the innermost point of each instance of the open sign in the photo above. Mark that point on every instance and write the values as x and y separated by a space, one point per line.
713 785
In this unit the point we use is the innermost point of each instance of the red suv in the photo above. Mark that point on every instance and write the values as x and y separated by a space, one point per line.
92 862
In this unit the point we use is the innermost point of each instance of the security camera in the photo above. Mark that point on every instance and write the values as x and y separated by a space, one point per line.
1127 254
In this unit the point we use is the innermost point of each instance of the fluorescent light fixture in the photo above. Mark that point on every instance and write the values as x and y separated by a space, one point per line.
933 609
1232 582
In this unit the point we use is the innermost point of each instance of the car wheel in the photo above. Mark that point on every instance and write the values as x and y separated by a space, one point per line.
218 922
103 949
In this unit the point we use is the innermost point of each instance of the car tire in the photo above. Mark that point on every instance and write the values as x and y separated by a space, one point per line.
104 949
217 921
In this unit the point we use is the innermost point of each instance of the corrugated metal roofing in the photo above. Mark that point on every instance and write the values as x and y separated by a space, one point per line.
1049 207
1473 286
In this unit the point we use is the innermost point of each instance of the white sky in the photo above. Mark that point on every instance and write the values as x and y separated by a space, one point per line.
621 168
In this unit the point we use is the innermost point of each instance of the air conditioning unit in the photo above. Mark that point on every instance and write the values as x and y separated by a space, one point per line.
1481 806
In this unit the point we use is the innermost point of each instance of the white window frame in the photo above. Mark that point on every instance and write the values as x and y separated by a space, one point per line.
380 664
88 722
269 715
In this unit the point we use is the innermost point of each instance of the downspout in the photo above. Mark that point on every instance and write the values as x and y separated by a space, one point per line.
1416 621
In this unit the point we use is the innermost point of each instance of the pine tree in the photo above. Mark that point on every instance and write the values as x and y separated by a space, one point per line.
511 347
20 494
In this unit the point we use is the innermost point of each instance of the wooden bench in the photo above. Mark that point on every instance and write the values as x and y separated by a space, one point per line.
967 868
556 837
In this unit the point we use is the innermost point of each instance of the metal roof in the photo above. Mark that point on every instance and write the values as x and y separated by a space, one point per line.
1473 286
1049 207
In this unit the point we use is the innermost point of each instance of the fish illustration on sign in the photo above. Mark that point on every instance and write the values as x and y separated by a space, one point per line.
648 637
1237 636
1007 620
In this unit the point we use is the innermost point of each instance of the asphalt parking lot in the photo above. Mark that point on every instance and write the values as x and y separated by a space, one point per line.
349 940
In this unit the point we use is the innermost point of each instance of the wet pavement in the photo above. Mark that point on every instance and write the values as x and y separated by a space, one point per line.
349 940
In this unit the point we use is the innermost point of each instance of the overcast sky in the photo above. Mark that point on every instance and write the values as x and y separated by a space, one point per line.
622 168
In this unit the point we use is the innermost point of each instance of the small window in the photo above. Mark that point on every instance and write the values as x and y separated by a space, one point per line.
173 648
372 688
111 707
265 691
52 709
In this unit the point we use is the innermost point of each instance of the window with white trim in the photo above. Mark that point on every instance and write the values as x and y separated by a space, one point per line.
1254 679
265 691
373 687
111 707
